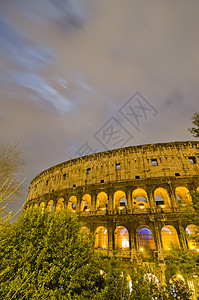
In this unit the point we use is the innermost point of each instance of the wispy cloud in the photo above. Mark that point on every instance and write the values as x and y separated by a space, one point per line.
66 13
28 61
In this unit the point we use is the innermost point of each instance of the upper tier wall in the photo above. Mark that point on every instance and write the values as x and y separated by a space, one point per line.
145 161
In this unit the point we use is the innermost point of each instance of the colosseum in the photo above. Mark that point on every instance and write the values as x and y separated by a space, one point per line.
129 198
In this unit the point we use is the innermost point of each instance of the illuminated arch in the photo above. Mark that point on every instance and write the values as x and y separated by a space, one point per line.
192 230
119 199
162 197
145 239
169 238
72 203
140 198
50 206
101 238
183 195
42 205
121 238
102 201
35 205
60 204
86 203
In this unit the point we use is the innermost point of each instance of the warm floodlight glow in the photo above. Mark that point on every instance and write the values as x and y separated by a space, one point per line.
179 276
192 247
141 249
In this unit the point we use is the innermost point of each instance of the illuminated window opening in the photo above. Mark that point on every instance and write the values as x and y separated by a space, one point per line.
117 165
192 159
154 162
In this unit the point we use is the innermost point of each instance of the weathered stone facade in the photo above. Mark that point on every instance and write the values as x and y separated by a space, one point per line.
128 197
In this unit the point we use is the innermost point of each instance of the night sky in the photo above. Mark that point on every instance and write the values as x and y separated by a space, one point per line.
85 76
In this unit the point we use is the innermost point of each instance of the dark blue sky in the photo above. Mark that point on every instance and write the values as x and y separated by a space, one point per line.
69 69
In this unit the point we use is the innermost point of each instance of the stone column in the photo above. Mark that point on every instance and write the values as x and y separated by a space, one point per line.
129 199
93 201
151 199
158 241
174 201
110 237
79 196
110 201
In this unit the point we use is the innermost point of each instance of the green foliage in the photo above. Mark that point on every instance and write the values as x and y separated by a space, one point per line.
145 284
115 285
182 262
195 121
47 255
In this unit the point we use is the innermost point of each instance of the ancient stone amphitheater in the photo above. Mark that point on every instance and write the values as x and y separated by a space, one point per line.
129 197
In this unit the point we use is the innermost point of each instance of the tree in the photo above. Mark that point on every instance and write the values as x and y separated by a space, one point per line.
11 166
48 256
195 121
114 285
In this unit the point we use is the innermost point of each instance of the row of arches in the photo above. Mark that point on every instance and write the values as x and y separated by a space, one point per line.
139 199
145 238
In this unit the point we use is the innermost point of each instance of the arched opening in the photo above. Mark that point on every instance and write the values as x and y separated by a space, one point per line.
60 204
119 200
140 199
121 238
145 239
72 203
86 203
102 201
183 195
162 197
192 230
169 238
42 205
101 238
50 206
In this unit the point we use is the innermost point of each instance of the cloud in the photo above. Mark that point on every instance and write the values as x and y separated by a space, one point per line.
30 60
22 52
65 13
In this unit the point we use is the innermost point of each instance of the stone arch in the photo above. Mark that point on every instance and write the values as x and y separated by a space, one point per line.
162 197
145 239
72 203
121 238
102 201
192 230
140 198
42 205
119 199
60 204
50 206
169 238
101 238
183 195
86 203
